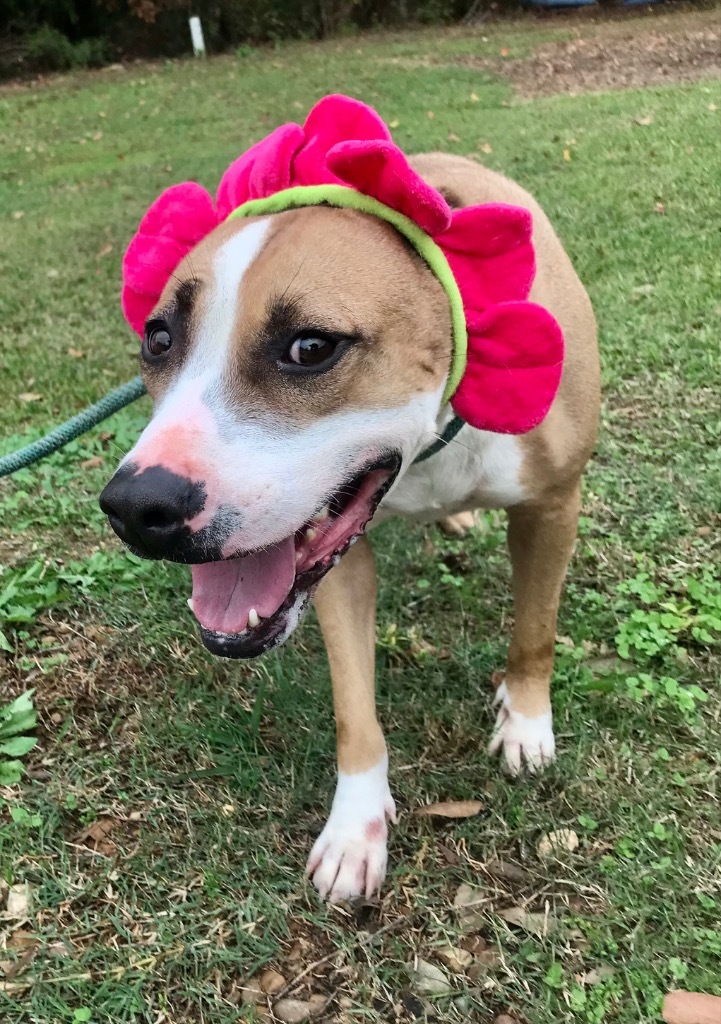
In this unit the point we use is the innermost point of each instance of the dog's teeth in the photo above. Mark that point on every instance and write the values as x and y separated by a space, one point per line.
298 557
311 534
336 559
352 541
190 604
322 515
253 618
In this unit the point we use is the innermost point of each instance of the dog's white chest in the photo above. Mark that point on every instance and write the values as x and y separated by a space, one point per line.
476 470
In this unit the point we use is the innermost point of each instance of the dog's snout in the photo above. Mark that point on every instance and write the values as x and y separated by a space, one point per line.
150 510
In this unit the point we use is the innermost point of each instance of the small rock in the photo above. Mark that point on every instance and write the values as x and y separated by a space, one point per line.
272 982
317 1003
503 1018
345 1002
455 958
556 842
292 1011
429 979
252 993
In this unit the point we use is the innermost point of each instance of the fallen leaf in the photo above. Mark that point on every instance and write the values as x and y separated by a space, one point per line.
106 249
455 958
18 214
94 463
98 135
644 121
76 353
292 1011
468 902
534 924
712 107
503 1018
431 115
503 869
29 396
96 837
450 809
394 123
272 982
53 273
556 842
317 1003
486 147
660 207
452 137
17 907
504 52
429 979
474 98
567 155
595 976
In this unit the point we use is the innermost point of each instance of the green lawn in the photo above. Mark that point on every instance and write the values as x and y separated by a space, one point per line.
211 779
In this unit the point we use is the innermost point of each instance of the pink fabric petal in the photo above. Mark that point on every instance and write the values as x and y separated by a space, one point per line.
183 212
515 360
261 171
380 170
491 254
332 120
174 224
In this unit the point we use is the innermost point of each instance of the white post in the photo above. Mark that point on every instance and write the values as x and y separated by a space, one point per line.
196 35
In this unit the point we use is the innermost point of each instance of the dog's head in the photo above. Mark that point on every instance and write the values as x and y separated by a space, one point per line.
296 363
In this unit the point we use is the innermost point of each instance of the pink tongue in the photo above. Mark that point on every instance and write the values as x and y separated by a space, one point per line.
224 592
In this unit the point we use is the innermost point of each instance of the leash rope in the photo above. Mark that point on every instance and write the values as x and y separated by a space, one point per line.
118 399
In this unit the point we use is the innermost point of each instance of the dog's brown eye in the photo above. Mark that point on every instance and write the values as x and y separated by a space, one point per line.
158 341
310 351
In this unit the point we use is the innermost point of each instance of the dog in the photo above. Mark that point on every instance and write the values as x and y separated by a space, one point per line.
298 362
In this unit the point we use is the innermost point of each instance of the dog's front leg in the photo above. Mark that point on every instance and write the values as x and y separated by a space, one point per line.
541 538
349 857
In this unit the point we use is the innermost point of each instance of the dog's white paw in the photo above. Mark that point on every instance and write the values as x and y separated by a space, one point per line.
350 855
523 741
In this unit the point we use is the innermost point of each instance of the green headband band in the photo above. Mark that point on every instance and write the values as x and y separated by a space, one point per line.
342 196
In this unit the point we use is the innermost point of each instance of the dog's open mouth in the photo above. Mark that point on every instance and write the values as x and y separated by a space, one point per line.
252 602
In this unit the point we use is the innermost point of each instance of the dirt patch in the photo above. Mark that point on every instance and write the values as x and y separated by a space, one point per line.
634 59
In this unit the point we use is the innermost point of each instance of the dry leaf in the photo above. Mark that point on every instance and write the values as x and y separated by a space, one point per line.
474 98
18 214
96 837
431 115
595 976
486 147
452 137
567 155
534 924
468 902
17 907
504 52
556 842
503 1018
455 958
712 107
292 1011
75 353
98 135
317 1003
660 208
502 869
644 121
30 396
394 123
106 249
429 979
450 809
94 463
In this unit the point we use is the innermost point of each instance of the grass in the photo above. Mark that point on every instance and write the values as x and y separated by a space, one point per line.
173 797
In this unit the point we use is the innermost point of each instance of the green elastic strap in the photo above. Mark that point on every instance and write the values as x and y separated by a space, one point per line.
341 195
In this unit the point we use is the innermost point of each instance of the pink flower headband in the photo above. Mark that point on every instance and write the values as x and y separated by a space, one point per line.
508 352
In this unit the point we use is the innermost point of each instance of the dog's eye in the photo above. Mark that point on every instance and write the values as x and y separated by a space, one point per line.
157 341
310 351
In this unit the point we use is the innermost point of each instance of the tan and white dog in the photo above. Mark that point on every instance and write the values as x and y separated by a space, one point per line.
297 363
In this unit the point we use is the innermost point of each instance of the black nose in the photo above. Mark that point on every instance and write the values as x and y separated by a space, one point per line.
149 510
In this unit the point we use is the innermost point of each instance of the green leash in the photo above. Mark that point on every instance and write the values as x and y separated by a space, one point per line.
117 399
66 432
